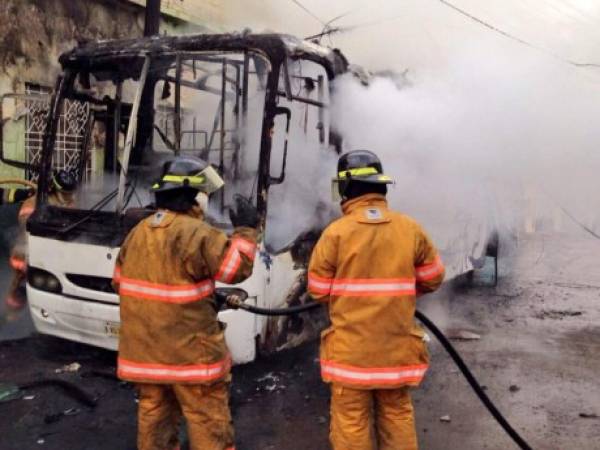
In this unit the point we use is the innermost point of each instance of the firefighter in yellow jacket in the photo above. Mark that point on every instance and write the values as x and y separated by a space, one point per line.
370 266
171 343
9 196
15 195
62 193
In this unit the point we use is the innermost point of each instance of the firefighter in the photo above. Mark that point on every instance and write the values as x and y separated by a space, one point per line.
62 189
370 266
171 344
15 195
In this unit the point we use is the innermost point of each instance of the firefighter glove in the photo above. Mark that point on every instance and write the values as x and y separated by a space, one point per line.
244 214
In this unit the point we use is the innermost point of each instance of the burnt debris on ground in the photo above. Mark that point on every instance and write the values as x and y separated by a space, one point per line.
542 374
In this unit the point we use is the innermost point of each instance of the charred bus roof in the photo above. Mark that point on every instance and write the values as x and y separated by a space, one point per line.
124 54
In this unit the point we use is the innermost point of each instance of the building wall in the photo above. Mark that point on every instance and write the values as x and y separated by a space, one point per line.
207 13
33 33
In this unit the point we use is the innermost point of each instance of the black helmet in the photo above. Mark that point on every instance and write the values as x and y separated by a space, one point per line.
64 180
359 165
188 172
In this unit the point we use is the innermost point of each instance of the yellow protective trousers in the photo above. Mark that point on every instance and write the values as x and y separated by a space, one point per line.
368 419
205 408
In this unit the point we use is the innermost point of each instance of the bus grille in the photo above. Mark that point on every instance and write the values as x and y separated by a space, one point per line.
101 284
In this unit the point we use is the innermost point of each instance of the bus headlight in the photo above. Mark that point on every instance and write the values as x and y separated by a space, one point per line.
43 280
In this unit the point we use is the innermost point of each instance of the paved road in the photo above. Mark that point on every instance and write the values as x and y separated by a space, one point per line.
540 334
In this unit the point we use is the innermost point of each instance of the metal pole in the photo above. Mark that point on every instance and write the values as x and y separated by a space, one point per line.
222 134
131 129
152 18
245 83
321 109
194 132
117 124
177 117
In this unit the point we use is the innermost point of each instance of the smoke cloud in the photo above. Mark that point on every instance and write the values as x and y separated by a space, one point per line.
501 140
482 132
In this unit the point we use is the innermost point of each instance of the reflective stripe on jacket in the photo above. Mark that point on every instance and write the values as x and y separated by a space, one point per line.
165 275
369 267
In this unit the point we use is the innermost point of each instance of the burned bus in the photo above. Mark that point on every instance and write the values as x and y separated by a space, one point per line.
235 100
255 106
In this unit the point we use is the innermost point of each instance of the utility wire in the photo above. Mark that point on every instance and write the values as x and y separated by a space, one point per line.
566 212
341 16
329 30
309 12
574 219
485 24
513 37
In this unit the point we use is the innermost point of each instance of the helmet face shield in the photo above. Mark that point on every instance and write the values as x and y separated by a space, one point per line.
212 180
335 190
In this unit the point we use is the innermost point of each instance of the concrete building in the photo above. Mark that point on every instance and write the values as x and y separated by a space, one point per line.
33 33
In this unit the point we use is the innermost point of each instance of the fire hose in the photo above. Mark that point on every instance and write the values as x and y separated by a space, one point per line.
237 302
14 195
18 181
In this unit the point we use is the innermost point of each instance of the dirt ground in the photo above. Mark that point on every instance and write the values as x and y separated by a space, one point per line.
538 356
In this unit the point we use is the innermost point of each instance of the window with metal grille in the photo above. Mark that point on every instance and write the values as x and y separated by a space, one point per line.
72 134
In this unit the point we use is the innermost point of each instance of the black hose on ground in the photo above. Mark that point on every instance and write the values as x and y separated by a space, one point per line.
440 337
472 381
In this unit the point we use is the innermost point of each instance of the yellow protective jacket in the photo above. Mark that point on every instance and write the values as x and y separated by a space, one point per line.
369 266
165 275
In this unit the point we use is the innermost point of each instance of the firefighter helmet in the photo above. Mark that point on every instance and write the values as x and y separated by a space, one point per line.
188 172
64 180
358 166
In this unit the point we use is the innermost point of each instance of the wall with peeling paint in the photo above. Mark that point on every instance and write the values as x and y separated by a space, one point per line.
34 32
201 12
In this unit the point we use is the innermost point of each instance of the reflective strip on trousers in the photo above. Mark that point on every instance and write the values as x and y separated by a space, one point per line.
168 293
168 372
430 271
233 259
332 371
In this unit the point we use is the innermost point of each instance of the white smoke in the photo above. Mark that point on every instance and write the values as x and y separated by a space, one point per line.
488 133
493 138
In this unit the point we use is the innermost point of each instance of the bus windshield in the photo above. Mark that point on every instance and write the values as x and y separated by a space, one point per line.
206 104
